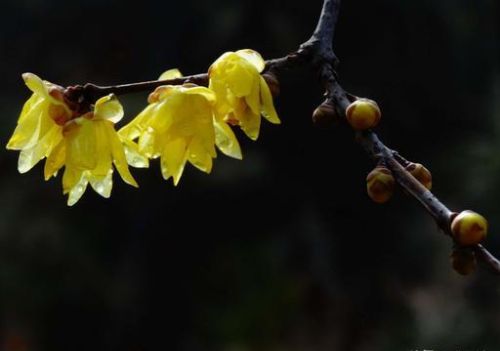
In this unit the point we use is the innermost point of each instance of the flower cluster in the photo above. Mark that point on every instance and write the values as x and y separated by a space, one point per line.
180 124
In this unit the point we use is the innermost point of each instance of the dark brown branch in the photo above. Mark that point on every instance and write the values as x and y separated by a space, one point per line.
318 53
325 61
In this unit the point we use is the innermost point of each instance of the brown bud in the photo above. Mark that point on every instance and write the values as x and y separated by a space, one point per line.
272 83
325 115
422 174
380 184
463 261
469 228
363 114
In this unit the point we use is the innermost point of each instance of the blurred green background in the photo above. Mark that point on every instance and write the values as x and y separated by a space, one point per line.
280 251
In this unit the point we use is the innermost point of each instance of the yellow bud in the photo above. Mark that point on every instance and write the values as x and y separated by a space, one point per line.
469 228
363 114
273 83
422 174
325 115
380 184
463 261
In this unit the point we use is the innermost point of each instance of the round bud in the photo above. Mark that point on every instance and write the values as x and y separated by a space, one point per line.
325 115
272 83
463 261
363 114
422 174
469 228
380 184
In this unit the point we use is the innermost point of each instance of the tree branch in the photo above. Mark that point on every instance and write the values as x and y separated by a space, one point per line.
318 53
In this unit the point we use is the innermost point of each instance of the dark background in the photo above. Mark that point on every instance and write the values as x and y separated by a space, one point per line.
280 251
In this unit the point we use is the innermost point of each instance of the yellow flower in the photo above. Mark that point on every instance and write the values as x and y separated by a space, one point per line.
87 150
178 126
40 125
242 94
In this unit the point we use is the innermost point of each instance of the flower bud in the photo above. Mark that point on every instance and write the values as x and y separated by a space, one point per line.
325 115
463 261
380 184
272 83
469 228
422 174
363 114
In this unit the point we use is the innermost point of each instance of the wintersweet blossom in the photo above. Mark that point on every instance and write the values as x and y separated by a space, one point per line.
88 149
178 126
40 125
242 94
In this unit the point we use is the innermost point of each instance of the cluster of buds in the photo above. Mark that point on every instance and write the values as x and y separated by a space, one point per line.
468 228
362 114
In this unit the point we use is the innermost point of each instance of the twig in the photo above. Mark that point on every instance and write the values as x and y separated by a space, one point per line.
318 53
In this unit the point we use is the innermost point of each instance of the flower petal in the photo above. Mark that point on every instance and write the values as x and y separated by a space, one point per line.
226 140
253 57
132 130
78 189
55 160
103 150
108 108
253 98
173 159
207 93
104 185
35 84
134 157
70 178
170 74
240 79
28 158
199 156
268 110
119 158
81 144
250 123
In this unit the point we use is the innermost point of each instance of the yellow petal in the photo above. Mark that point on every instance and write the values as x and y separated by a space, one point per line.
173 159
250 123
103 149
132 130
207 93
253 99
147 144
240 79
28 158
268 110
226 140
71 177
199 157
108 108
134 157
119 158
55 160
81 144
35 84
103 186
76 192
253 57
170 74
30 125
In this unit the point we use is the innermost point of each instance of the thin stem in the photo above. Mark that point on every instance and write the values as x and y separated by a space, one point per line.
317 52
325 29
